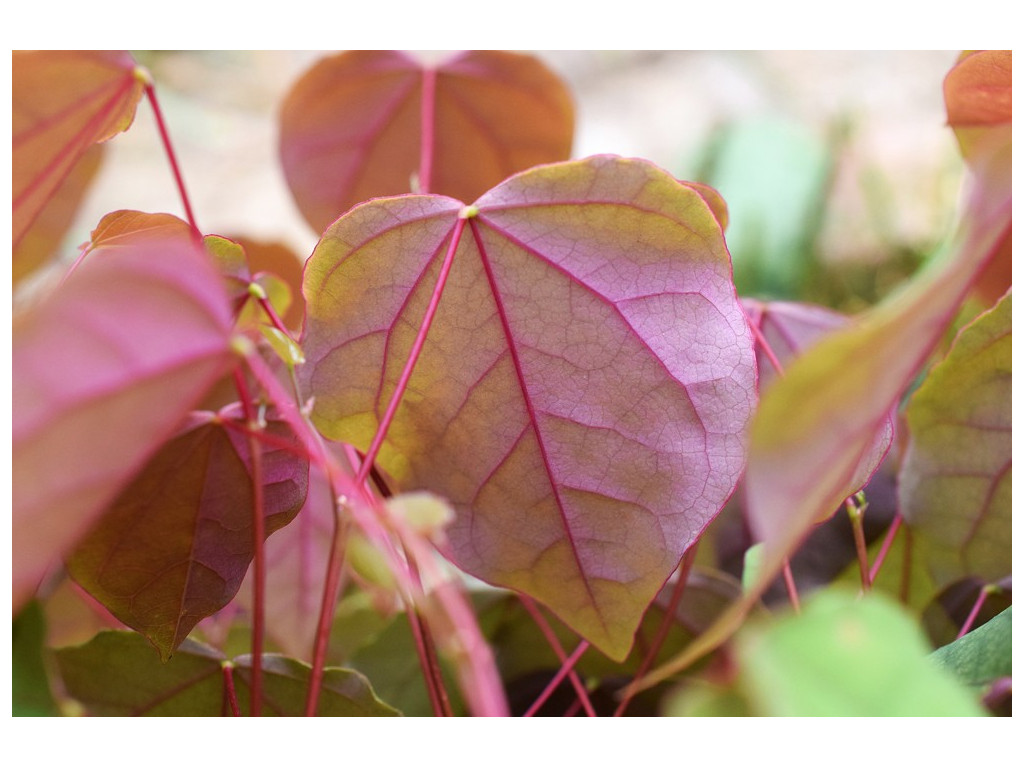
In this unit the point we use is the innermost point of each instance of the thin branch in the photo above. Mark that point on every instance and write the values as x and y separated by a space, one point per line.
565 669
855 507
549 635
883 552
171 157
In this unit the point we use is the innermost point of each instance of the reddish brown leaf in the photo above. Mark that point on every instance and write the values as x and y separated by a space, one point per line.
583 390
363 124
63 103
176 544
104 369
979 89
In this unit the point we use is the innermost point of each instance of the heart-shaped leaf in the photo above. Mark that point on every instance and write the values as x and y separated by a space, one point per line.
363 124
63 102
176 544
96 391
584 387
955 480
119 674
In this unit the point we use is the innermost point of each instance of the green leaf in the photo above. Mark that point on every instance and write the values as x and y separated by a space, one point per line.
30 683
955 480
120 674
983 655
773 174
846 657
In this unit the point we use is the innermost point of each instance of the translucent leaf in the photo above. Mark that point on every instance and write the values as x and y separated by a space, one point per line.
846 657
176 544
363 124
63 102
955 481
104 369
584 388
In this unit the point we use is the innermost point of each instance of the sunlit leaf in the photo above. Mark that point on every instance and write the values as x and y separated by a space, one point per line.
63 102
283 263
846 657
176 544
40 242
364 124
956 478
119 674
104 369
981 656
584 388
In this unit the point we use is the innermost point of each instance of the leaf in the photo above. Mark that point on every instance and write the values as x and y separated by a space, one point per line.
362 124
281 262
63 102
955 480
583 391
39 244
30 683
176 544
979 106
846 657
119 674
790 329
143 321
814 428
983 655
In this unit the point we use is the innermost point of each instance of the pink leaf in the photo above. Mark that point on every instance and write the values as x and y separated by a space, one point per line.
104 369
583 390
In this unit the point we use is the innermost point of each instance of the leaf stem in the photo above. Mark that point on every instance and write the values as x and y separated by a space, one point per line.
414 353
883 552
258 534
565 669
329 600
549 635
427 104
855 507
274 318
791 590
663 628
228 669
171 157
983 593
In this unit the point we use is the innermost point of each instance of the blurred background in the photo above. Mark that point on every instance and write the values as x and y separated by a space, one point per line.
837 167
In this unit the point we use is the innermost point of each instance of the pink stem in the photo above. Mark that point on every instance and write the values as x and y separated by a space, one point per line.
427 129
890 536
666 624
229 689
414 353
763 342
566 668
982 597
169 149
258 533
332 585
549 635
794 595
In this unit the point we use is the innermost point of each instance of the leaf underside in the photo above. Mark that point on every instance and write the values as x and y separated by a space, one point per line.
582 392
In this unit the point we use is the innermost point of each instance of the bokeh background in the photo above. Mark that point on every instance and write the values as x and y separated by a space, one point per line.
838 169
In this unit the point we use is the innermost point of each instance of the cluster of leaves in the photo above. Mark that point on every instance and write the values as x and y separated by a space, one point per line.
472 435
